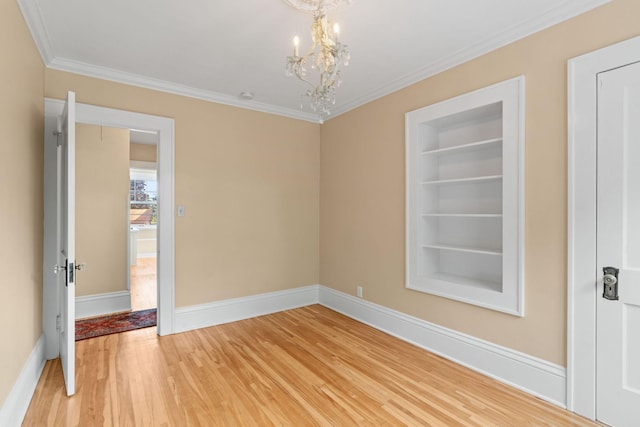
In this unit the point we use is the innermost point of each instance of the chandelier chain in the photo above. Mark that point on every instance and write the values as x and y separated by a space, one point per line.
313 6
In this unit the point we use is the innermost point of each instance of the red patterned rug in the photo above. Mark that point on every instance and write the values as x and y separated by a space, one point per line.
115 323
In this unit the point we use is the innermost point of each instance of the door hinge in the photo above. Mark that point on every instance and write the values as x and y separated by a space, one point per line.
58 322
58 136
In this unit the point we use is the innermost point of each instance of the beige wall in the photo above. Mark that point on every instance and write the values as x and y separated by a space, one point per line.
102 197
249 182
21 165
362 185
143 152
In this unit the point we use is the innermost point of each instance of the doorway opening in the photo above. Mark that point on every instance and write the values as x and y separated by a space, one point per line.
143 220
163 129
116 241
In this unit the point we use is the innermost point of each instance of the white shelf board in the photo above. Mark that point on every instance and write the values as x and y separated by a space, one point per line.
466 281
458 180
475 250
462 147
462 215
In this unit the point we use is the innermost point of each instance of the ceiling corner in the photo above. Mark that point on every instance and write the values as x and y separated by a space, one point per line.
33 18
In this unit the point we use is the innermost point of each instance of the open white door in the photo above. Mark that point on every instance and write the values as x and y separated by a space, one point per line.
52 294
66 239
618 247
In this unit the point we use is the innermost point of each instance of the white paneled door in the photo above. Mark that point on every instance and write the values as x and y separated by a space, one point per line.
66 240
618 247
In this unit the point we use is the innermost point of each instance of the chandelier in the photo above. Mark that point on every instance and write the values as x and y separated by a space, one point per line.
326 54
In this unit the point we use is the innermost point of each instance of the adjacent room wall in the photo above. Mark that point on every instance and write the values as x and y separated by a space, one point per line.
249 182
102 198
363 193
21 169
143 152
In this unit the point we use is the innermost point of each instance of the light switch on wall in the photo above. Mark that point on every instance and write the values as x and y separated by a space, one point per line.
180 210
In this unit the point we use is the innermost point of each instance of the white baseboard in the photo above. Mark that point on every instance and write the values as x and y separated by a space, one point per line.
17 402
147 254
97 305
527 373
231 310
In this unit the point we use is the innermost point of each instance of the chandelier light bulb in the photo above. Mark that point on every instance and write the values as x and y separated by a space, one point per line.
336 29
296 44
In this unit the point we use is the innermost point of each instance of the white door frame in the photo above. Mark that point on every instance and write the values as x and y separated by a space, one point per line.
581 239
102 116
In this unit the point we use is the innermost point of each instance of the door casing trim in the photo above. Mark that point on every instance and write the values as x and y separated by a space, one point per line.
582 274
102 116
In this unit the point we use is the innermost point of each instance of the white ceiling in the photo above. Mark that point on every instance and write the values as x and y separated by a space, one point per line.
214 49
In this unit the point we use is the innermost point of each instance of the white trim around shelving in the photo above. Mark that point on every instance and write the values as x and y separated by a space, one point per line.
17 402
535 376
100 304
421 127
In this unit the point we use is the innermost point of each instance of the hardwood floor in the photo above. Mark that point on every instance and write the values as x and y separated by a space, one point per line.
304 367
144 284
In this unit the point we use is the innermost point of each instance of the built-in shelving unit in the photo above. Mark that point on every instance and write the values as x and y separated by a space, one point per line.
464 197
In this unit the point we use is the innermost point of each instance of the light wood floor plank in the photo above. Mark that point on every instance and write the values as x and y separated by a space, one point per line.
144 284
303 367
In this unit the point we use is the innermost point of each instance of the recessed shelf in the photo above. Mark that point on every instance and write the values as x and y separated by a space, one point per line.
460 180
463 249
463 146
464 198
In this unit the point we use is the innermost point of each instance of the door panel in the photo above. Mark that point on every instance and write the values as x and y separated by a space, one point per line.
631 373
618 237
66 226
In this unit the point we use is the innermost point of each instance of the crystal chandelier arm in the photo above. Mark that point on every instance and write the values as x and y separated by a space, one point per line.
310 53
295 67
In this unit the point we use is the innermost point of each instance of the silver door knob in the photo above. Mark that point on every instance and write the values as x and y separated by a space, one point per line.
609 279
58 268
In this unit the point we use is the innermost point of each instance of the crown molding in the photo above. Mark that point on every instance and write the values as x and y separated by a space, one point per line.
564 11
131 79
33 17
